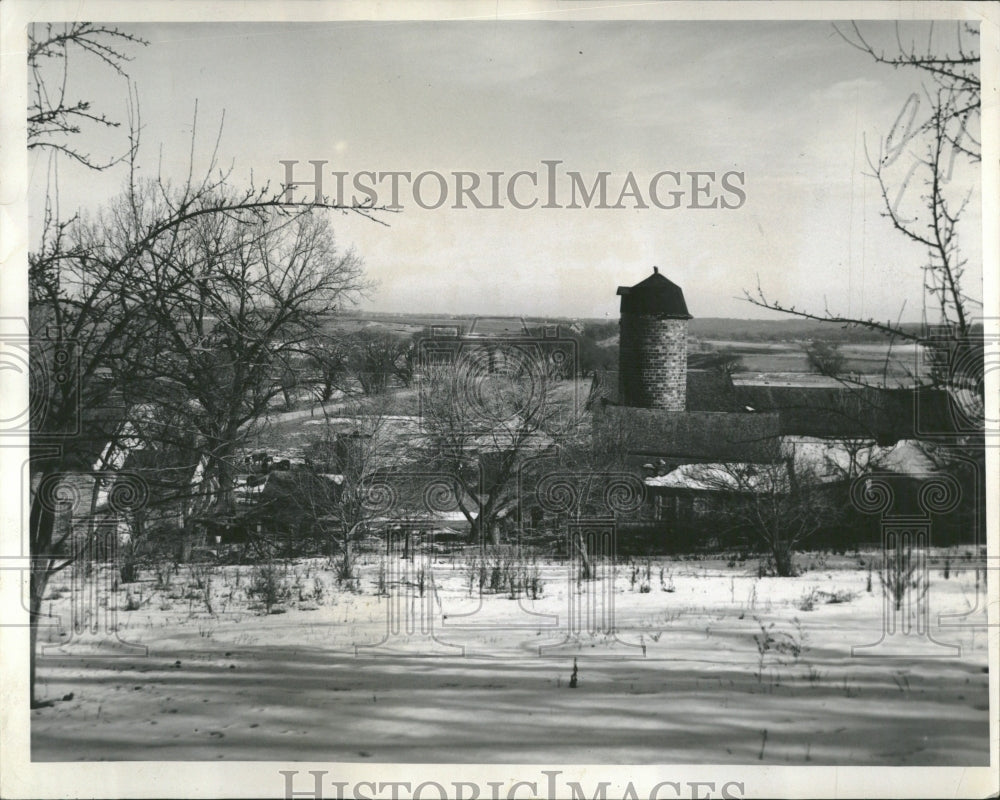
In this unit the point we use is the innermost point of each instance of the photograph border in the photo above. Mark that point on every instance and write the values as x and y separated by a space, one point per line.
20 777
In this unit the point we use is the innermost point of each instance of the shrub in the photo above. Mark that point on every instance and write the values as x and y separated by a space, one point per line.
900 575
318 589
268 585
783 647
502 569
128 568
809 599
201 576
164 569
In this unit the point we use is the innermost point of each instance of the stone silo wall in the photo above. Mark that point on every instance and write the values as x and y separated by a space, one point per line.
653 361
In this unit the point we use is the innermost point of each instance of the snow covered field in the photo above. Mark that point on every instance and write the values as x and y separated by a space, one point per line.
707 663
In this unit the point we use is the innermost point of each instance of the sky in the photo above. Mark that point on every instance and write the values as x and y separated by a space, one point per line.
789 105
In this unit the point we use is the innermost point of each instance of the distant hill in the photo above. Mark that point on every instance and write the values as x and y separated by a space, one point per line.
784 330
716 328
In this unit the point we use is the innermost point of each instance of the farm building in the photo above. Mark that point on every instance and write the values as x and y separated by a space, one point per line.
685 430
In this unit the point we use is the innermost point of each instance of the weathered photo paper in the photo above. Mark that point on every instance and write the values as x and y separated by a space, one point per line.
499 400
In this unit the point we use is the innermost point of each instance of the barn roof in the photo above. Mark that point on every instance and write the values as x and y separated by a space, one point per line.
707 390
887 415
655 295
710 390
701 436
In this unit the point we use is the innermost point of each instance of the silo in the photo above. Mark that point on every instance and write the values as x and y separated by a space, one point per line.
653 344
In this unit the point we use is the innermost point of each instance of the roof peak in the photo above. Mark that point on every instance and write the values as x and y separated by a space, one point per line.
655 294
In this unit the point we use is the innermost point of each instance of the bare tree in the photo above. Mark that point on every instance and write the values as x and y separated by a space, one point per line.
825 358
855 456
952 68
97 313
777 505
482 420
371 455
724 362
327 359
54 114
376 357
915 166
406 362
291 510
185 304
946 133
590 483
368 456
231 301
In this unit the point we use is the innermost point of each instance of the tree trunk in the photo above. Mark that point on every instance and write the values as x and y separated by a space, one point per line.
41 526
347 561
586 568
224 472
188 542
783 562
39 579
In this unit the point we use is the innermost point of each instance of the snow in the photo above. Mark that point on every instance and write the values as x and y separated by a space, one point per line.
833 457
827 459
724 477
679 681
